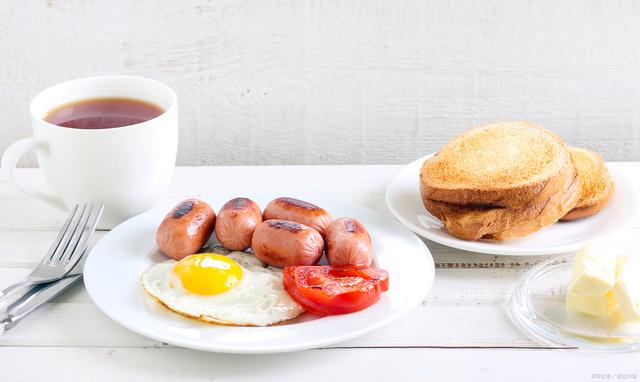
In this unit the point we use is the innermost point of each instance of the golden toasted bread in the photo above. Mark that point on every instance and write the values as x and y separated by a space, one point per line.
558 196
557 205
596 187
498 165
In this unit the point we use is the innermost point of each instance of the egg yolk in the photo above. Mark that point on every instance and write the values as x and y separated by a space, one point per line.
208 273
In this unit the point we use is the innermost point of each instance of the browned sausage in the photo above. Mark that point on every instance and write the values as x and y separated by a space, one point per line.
298 211
186 228
348 243
282 243
235 223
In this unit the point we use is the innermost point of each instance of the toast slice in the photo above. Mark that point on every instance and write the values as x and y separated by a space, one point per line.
503 164
559 195
596 187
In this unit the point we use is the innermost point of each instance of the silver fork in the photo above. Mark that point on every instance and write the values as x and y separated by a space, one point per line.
66 250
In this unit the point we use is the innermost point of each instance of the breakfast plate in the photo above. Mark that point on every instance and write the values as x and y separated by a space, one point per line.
405 203
113 280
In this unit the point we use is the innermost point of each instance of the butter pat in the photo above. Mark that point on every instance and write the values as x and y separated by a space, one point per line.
594 271
602 306
627 286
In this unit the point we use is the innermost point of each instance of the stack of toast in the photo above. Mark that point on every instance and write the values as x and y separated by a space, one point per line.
510 179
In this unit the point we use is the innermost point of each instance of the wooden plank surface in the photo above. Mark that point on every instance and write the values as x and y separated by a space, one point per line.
460 329
426 364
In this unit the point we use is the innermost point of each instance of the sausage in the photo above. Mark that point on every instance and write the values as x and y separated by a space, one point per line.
283 243
348 243
298 211
186 228
236 222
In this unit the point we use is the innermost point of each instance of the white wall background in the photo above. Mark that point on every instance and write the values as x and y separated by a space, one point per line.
323 82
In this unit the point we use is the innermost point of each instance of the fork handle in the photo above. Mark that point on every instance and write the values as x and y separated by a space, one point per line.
36 297
13 293
6 323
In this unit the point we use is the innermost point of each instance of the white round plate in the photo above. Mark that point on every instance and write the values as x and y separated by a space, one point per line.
405 203
114 266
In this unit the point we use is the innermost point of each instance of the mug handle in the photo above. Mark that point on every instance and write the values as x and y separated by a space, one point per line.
8 166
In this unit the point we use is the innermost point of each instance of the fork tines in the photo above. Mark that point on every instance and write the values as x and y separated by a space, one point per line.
76 232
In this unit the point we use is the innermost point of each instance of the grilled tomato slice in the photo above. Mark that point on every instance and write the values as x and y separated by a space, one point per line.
328 290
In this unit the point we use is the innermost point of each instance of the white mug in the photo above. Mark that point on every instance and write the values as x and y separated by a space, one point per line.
126 168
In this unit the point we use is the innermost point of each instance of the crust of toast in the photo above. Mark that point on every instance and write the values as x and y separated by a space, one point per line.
500 165
585 212
559 195
597 186
556 207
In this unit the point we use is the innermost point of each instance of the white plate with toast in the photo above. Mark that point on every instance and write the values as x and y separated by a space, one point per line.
115 265
405 203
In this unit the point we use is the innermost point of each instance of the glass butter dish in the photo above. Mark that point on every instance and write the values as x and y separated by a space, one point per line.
538 308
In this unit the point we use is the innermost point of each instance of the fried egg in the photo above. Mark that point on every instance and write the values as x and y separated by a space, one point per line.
236 289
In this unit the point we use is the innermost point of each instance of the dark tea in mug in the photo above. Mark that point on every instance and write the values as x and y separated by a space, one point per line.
102 113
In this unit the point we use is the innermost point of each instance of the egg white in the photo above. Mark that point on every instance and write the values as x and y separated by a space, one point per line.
259 299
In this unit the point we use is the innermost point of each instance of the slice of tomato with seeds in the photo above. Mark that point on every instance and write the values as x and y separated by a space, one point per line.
327 290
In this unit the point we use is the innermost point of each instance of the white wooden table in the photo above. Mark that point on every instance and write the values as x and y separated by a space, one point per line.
459 332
